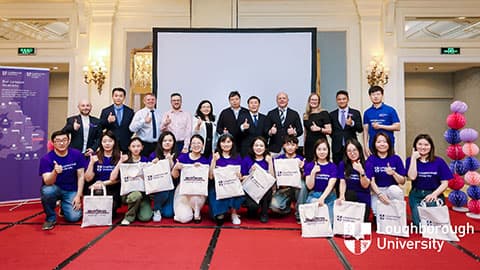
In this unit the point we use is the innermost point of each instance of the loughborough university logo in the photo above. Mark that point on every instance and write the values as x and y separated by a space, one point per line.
362 237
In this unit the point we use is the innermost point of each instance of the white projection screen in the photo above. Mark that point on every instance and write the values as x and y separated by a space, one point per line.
209 63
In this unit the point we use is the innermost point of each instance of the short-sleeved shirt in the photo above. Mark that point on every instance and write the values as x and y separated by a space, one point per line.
74 160
248 162
102 171
223 162
327 171
353 183
376 167
383 115
184 158
429 174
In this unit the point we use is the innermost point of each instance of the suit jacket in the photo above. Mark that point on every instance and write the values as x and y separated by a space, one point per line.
94 132
246 136
122 131
227 120
349 132
292 118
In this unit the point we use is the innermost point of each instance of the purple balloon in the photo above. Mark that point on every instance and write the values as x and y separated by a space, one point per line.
471 164
457 166
474 192
458 198
452 136
468 135
458 106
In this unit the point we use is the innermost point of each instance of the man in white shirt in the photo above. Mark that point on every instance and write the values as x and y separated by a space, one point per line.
85 130
179 122
146 124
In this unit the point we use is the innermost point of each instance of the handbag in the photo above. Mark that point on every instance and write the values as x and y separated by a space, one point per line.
257 183
194 180
131 178
227 183
347 214
287 172
157 177
315 220
435 222
97 210
392 218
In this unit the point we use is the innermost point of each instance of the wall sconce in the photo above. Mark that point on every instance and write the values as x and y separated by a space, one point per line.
377 73
95 72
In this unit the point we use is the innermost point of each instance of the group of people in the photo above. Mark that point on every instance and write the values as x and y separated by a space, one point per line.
88 152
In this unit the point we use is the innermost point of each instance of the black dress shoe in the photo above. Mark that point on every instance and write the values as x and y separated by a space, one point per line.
220 219
263 218
197 220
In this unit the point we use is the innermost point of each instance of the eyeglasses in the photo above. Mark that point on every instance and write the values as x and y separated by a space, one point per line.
65 140
352 151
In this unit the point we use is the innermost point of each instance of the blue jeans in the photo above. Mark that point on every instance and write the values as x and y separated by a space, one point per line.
415 198
313 196
163 201
50 195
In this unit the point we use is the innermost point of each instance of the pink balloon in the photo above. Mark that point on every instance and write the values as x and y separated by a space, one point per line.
472 178
456 120
454 151
474 206
470 149
456 182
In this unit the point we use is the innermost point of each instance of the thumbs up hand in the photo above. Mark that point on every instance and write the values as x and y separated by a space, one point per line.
57 168
111 118
168 120
76 125
273 130
389 170
148 118
225 131
291 130
314 127
349 121
245 124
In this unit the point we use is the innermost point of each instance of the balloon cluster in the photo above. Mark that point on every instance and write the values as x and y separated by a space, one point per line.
472 177
455 121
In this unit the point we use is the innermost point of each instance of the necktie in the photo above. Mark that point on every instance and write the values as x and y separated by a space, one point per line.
118 114
282 116
255 120
154 124
342 119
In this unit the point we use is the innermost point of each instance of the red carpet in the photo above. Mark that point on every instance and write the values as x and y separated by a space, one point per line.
15 212
271 249
146 248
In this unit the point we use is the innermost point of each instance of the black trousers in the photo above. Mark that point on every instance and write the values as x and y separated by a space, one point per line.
263 205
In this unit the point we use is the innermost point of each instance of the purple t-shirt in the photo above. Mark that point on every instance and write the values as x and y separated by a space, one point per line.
353 183
222 162
429 174
73 161
248 162
184 158
327 171
375 167
103 171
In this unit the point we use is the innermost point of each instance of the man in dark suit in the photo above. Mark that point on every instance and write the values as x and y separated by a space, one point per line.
346 122
280 122
117 118
227 121
252 124
85 130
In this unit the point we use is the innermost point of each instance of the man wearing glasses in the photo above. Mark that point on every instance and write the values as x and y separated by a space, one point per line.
62 171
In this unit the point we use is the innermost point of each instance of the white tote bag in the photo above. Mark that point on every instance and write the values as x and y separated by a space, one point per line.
131 178
227 183
345 214
157 176
287 172
194 180
97 210
392 218
435 222
257 183
315 220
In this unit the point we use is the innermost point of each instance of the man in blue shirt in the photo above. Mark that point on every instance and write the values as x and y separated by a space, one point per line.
379 117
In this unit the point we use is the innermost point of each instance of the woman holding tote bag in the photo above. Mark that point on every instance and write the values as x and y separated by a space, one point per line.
187 207
429 174
225 155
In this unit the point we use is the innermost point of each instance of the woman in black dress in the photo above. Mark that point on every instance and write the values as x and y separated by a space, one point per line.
316 123
204 125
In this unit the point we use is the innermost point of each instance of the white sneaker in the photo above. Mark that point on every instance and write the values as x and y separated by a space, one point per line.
157 216
236 219
125 222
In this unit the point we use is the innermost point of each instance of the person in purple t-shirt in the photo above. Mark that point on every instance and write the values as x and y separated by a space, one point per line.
163 200
62 171
429 175
225 154
138 203
354 184
386 172
258 154
187 207
320 176
101 166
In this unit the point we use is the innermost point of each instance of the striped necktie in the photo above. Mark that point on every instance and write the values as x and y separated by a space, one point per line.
282 116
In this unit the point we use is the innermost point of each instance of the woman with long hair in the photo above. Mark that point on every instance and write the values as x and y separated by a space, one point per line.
316 123
204 125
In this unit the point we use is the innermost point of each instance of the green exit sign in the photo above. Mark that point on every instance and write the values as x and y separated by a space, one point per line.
449 50
26 51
